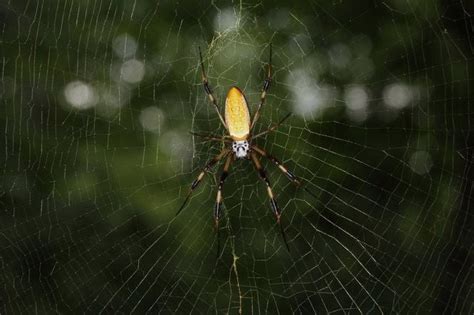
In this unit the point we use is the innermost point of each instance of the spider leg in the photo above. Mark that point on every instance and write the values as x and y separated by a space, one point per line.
275 209
208 90
218 206
272 128
198 180
211 137
275 161
266 86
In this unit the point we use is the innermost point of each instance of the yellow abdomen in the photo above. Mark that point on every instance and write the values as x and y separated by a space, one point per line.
237 116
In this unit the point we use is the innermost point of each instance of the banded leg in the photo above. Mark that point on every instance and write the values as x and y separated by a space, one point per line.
288 174
208 90
266 86
272 128
275 209
218 206
275 161
211 137
198 180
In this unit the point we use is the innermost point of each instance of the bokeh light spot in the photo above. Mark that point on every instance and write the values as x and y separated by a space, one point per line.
421 162
80 95
356 97
311 97
151 119
124 46
132 71
226 20
397 95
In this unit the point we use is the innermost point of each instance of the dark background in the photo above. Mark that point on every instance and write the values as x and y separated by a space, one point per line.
97 99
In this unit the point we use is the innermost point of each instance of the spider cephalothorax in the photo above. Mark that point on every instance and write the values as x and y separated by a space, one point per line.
240 148
239 127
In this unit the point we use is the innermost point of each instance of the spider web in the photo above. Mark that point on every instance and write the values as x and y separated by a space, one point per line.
97 101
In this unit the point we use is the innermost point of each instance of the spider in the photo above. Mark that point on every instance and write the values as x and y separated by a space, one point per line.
240 137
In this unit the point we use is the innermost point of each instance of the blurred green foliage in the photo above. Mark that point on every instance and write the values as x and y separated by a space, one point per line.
92 179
